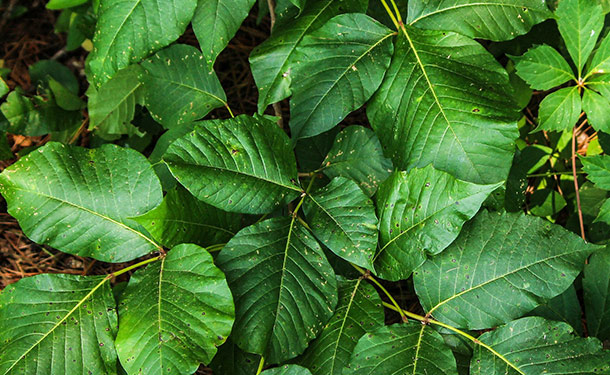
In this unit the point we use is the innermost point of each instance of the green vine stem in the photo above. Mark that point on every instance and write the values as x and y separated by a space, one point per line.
367 275
261 364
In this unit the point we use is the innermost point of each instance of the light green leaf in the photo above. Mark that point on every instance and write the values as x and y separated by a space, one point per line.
495 20
597 109
231 360
359 311
215 23
601 84
273 61
421 212
596 286
340 66
168 182
4 89
64 98
21 115
79 200
112 106
543 68
357 154
283 286
287 370
546 202
580 23
604 213
499 268
432 101
245 164
563 308
598 170
57 325
181 73
182 218
402 349
173 314
127 31
560 110
534 346
600 63
62 4
343 218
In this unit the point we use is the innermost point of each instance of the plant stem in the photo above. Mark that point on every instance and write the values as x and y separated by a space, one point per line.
549 174
398 16
133 266
215 247
229 109
391 14
367 275
261 364
580 220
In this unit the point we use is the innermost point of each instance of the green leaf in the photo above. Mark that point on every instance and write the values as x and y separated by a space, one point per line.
312 151
580 23
21 115
62 4
4 89
495 20
421 212
78 200
604 213
5 148
343 218
500 267
174 313
168 182
287 370
543 68
534 346
64 98
359 311
596 286
182 218
597 109
402 349
598 170
231 360
560 110
357 154
273 61
601 84
432 101
245 164
546 202
180 72
112 106
283 286
340 66
127 31
58 324
44 70
215 23
563 308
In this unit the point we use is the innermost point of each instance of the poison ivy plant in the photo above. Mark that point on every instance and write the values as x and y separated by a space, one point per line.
292 244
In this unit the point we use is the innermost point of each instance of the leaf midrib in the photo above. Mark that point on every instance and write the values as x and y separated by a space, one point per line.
448 9
344 320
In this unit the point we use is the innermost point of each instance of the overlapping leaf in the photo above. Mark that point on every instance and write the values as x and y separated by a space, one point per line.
57 325
533 346
127 31
284 288
421 212
245 164
216 21
79 200
173 314
340 66
487 19
231 360
440 89
343 218
182 218
180 73
357 154
402 349
287 370
272 62
596 286
500 267
563 308
359 311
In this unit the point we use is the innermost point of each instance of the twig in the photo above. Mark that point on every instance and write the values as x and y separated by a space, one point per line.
582 226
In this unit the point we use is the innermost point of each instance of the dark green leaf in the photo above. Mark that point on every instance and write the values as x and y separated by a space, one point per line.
79 200
500 267
44 70
343 218
596 286
58 325
402 349
357 154
534 346
231 360
598 170
441 89
284 288
182 218
287 370
359 311
563 308
245 164
340 66
421 212
487 19
173 314
311 151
